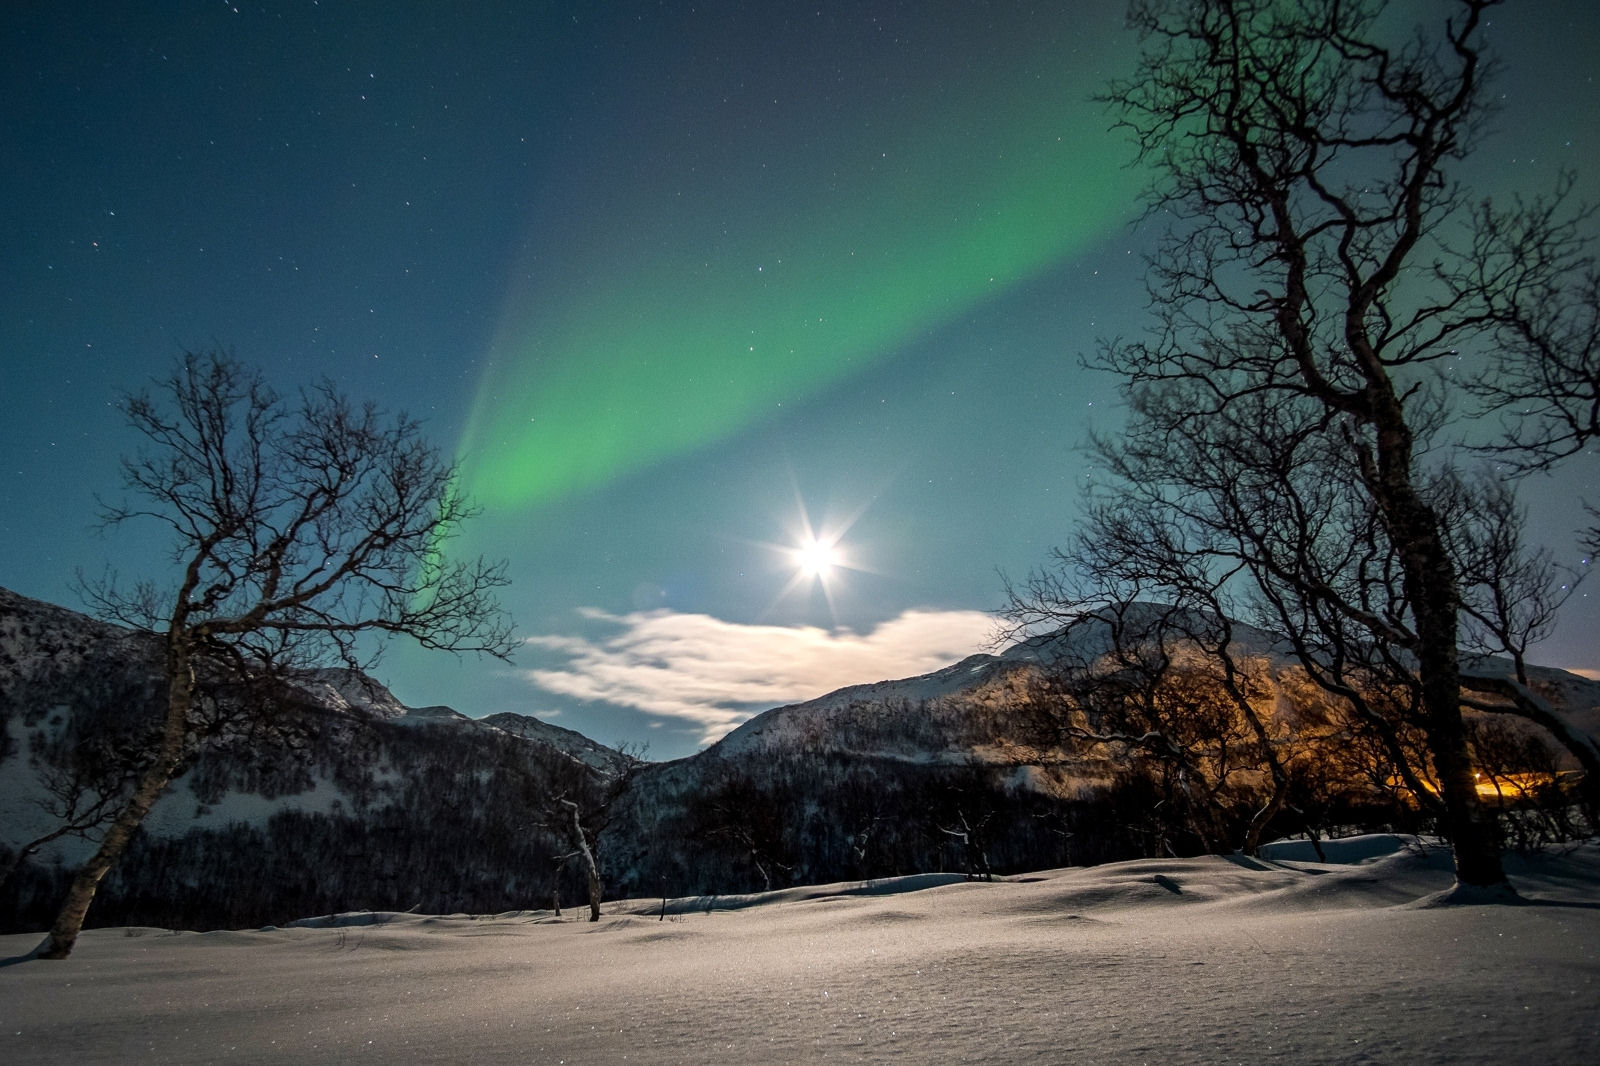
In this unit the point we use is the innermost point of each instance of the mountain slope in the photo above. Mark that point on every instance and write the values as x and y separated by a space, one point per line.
345 798
341 797
971 768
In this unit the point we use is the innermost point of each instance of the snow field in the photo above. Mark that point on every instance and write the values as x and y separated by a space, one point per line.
1174 961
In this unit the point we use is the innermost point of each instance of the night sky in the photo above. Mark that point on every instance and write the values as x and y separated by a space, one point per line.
681 285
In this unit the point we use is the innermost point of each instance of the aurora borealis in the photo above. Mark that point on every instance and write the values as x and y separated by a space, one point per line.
677 283
762 268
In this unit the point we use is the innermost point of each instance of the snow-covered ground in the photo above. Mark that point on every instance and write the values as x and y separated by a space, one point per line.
1201 960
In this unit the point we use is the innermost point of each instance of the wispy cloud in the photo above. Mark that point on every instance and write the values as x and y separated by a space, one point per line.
717 674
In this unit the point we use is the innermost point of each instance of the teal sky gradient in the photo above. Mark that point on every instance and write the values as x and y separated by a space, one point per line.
744 243
675 281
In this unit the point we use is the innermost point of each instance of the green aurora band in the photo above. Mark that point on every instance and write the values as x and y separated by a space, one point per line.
710 297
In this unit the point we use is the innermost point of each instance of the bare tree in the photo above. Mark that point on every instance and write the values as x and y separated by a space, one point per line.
1531 271
962 809
84 786
579 809
578 840
1166 690
1322 282
303 532
733 808
1238 516
1510 593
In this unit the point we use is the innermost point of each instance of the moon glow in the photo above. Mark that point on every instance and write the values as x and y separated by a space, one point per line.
817 558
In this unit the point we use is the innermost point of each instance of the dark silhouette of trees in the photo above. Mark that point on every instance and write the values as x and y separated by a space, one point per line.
1169 693
1531 270
961 812
1322 285
84 784
748 818
304 532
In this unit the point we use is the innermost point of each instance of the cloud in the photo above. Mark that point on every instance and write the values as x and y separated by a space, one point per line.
717 674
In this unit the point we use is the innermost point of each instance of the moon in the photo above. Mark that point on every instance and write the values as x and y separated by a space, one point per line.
817 558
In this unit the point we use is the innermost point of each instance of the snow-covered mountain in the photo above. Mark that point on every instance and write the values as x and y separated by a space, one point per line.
922 718
346 798
967 767
341 797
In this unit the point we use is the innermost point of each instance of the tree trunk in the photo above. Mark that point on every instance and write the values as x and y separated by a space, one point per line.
1430 586
1473 833
1469 825
1280 776
75 908
1270 810
580 845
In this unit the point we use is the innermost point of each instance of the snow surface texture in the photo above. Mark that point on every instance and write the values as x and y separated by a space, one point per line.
1198 960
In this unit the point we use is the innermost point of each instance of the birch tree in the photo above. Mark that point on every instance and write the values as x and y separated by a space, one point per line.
1322 283
303 530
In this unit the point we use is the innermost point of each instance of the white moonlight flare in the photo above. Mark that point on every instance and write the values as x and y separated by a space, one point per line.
817 558
817 555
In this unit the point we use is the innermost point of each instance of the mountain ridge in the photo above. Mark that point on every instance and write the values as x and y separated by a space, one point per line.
351 799
341 797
